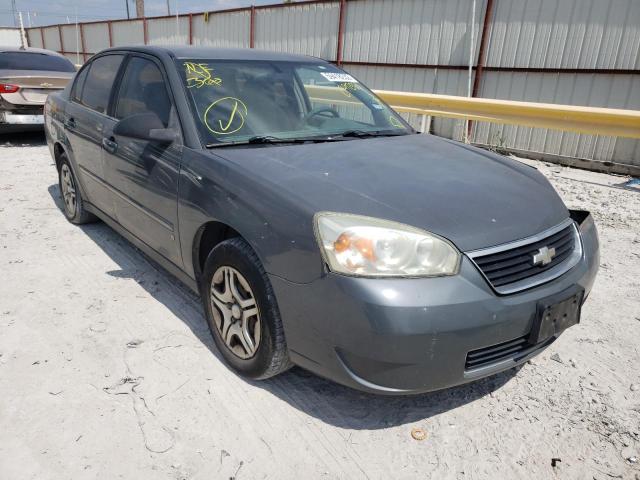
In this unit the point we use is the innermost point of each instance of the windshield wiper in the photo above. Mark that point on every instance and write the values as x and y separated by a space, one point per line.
270 140
257 140
334 137
370 133
262 139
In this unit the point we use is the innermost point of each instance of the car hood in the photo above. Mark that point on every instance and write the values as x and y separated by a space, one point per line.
470 196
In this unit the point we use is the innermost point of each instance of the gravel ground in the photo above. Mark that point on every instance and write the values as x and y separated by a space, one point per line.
107 369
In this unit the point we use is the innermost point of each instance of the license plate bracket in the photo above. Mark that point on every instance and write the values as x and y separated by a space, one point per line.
23 119
555 314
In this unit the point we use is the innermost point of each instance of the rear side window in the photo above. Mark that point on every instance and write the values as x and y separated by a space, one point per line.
78 84
143 90
34 61
100 78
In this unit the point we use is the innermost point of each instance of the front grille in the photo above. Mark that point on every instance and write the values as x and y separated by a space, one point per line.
496 353
509 266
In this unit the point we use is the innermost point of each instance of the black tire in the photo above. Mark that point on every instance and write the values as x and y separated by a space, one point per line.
75 213
271 356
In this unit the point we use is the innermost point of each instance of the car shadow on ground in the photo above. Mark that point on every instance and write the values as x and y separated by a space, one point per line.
323 399
34 138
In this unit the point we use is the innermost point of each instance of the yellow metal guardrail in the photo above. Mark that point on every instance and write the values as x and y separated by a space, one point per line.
591 120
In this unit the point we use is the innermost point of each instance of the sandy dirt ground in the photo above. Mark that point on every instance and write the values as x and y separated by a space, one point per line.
107 370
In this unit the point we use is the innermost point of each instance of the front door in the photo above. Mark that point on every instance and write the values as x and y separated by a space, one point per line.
144 174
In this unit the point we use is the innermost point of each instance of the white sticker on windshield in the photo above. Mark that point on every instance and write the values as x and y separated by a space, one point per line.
339 77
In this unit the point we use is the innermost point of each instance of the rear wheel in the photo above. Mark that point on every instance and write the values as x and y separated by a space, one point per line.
73 204
242 312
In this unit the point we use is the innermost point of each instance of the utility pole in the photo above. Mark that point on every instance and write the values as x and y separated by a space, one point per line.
140 8
168 8
126 3
14 13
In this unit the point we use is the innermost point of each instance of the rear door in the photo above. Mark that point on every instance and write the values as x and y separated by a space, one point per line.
145 174
85 117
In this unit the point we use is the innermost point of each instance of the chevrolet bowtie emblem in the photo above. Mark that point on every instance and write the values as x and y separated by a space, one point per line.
46 85
544 256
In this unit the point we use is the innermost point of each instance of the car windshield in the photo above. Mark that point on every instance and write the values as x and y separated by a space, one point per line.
34 61
239 102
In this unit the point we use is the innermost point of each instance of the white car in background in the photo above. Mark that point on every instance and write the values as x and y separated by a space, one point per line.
27 76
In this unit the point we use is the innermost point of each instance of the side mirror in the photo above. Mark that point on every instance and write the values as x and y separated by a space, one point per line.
145 126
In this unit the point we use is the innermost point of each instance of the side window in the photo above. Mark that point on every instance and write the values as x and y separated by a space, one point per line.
143 90
79 83
100 79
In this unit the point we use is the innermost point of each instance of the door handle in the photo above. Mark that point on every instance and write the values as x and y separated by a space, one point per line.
70 123
110 144
193 175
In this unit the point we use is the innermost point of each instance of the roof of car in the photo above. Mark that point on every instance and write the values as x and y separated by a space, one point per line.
179 51
29 50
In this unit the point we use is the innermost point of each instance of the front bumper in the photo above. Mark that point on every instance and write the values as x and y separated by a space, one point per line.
399 336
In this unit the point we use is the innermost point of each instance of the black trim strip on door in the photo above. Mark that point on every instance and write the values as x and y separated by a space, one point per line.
129 200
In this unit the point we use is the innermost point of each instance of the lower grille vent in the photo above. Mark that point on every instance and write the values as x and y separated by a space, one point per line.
496 353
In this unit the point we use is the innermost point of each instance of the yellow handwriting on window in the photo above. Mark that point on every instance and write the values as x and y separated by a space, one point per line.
200 75
394 121
225 116
347 88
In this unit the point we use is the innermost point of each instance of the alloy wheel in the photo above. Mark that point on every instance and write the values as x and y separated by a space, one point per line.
68 189
235 312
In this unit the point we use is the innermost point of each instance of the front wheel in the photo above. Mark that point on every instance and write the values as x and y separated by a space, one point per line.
242 312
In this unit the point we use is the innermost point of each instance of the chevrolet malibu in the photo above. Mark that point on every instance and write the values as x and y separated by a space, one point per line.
27 76
317 226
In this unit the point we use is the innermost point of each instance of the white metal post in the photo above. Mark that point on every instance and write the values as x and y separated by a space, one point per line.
470 74
177 23
23 37
77 40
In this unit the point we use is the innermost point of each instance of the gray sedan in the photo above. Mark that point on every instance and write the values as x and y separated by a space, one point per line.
318 227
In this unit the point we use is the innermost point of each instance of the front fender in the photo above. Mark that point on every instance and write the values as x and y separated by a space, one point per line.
280 231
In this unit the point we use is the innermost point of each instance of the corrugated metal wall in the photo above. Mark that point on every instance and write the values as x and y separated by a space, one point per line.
581 52
414 32
311 29
529 34
71 43
227 30
431 32
130 32
617 91
52 38
70 38
34 37
565 34
168 31
96 37
10 37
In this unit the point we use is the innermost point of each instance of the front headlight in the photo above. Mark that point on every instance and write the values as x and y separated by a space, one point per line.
371 247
